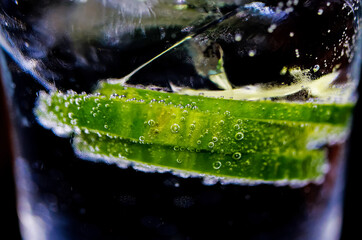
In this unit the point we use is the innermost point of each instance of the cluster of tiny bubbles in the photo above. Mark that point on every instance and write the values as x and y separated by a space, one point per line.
239 136
175 128
272 27
70 93
191 149
216 165
236 155
180 106
297 54
114 95
210 180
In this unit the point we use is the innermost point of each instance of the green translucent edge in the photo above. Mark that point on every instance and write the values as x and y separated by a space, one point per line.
261 140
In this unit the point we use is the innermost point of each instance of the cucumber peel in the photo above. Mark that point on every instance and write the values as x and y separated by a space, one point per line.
250 140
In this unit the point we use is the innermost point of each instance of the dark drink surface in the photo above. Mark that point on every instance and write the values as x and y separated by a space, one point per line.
61 196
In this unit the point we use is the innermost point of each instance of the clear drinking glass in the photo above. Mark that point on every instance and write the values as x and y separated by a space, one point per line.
180 119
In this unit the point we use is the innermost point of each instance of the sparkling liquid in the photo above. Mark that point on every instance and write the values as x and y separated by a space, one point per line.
58 43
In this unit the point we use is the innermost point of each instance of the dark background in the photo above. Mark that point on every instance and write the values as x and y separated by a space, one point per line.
351 224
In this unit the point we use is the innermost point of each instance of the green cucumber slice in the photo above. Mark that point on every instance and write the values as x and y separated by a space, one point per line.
301 112
280 140
303 165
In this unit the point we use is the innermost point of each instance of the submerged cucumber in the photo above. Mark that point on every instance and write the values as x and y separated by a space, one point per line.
261 140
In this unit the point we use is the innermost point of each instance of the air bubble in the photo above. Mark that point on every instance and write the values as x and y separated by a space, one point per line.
151 122
316 68
236 126
198 142
141 138
238 37
192 126
214 139
251 53
237 155
216 165
320 11
175 128
211 145
239 136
